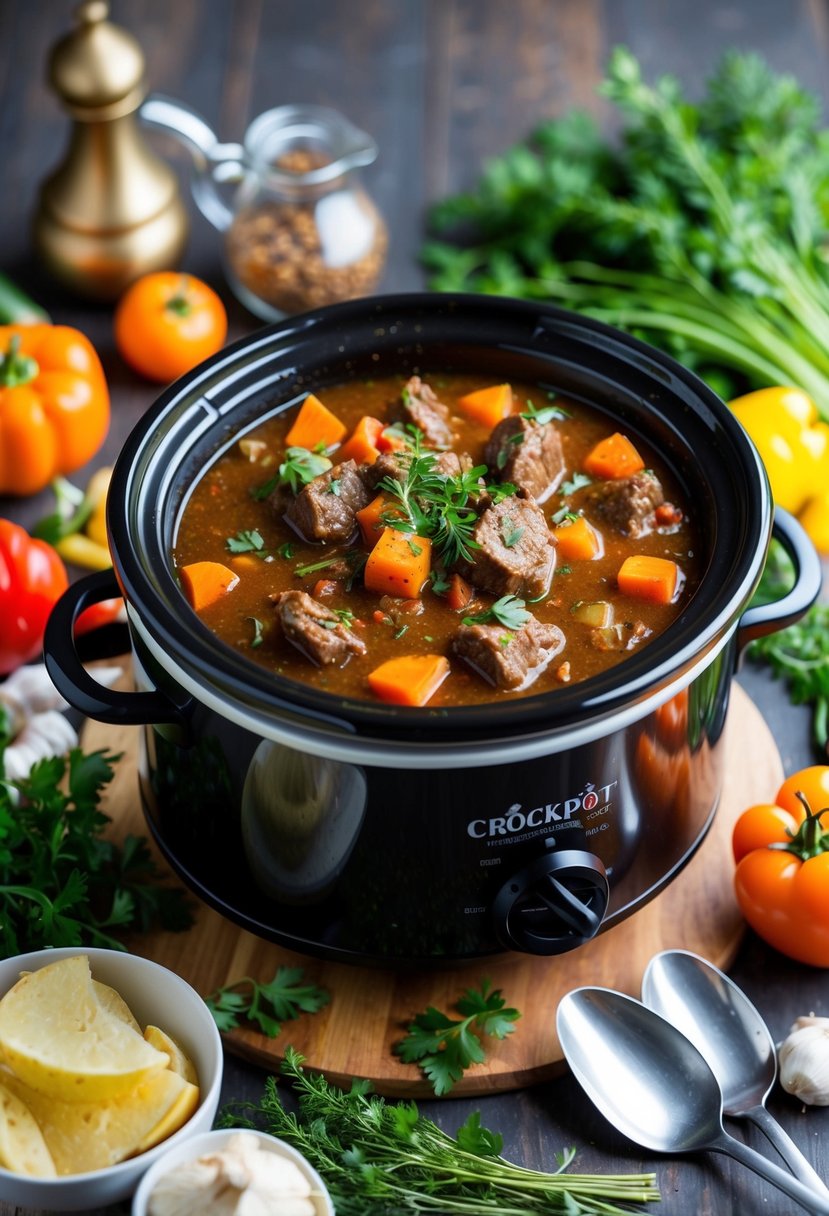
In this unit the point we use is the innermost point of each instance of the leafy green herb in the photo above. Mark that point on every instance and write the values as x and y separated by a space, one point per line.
564 516
378 1158
334 486
700 227
73 509
510 535
547 413
440 583
565 569
399 633
258 632
505 639
298 468
283 999
249 541
445 1047
800 656
62 883
353 558
508 611
414 548
286 551
346 616
577 482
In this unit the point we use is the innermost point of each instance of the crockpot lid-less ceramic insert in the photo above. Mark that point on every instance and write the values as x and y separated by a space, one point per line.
643 390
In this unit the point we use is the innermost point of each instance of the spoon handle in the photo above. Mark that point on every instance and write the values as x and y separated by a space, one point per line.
775 1174
787 1148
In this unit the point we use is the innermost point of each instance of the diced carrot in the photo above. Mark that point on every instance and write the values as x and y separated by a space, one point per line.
361 444
613 458
244 561
666 514
648 578
324 586
370 521
398 564
488 405
459 593
205 582
314 424
577 541
413 679
391 439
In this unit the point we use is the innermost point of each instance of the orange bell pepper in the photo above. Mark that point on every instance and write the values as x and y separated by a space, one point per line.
54 405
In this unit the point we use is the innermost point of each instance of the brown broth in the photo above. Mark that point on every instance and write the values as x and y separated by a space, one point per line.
221 505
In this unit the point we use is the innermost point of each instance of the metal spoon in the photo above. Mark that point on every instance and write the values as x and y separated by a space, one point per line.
652 1084
718 1018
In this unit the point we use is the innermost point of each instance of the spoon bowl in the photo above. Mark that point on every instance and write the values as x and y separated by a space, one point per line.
719 1019
653 1084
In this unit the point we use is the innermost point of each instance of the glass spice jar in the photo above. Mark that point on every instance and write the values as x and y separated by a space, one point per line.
301 230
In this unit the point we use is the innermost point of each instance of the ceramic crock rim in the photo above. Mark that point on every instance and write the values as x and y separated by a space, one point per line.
185 643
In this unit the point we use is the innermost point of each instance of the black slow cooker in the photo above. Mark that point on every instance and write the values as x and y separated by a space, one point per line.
368 832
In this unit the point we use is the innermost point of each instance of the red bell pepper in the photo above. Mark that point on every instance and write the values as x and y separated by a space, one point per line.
32 577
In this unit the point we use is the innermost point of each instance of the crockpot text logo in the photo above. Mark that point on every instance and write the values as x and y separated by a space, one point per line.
517 820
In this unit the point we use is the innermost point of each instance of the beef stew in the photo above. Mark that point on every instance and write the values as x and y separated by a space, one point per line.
473 541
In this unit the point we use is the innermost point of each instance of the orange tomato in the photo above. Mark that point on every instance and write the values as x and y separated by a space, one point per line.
166 323
782 876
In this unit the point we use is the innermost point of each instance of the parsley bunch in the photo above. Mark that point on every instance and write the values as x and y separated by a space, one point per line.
701 229
62 883
445 1047
378 1158
800 656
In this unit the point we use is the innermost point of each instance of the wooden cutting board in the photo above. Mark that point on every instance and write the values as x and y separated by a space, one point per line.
370 1009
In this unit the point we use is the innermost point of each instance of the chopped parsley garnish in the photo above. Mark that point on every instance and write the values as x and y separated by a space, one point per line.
565 516
345 615
258 632
298 468
547 413
577 482
414 549
510 535
399 632
505 639
334 486
439 581
249 541
564 569
286 551
508 611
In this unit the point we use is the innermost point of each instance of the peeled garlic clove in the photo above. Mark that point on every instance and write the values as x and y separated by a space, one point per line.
804 1061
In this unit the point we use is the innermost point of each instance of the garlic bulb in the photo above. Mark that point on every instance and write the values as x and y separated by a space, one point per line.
804 1061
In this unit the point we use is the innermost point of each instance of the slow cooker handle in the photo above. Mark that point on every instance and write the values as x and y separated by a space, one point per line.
71 678
768 618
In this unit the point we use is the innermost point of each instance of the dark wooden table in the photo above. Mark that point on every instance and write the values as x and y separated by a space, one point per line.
441 84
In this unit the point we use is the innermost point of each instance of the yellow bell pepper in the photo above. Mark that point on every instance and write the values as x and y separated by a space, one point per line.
815 519
785 426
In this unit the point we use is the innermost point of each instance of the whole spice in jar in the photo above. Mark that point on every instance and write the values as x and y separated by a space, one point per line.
324 243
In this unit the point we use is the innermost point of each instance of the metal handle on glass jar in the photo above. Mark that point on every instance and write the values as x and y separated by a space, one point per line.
757 621
214 164
74 682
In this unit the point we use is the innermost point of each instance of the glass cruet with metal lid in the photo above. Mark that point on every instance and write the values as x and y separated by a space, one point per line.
299 228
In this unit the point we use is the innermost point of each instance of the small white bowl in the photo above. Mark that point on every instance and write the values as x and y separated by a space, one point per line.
211 1142
156 995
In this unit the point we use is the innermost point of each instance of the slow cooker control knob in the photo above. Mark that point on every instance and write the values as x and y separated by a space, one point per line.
554 904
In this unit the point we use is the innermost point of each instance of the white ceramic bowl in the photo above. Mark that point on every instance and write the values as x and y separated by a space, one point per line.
210 1142
154 995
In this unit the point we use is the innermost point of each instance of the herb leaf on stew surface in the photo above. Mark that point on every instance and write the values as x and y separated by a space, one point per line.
445 1047
378 1158
508 611
248 541
298 468
283 999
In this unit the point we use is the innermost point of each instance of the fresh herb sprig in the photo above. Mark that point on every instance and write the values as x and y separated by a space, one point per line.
268 1005
62 882
377 1157
445 1047
298 468
509 611
701 227
800 656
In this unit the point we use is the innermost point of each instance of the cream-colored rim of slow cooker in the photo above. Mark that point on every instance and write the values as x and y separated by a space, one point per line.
331 744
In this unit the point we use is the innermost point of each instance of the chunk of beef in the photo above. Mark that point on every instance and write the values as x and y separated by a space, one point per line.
419 404
325 509
508 658
628 502
517 550
314 629
452 464
527 453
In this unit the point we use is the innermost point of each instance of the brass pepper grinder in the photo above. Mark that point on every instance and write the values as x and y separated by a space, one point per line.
111 211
